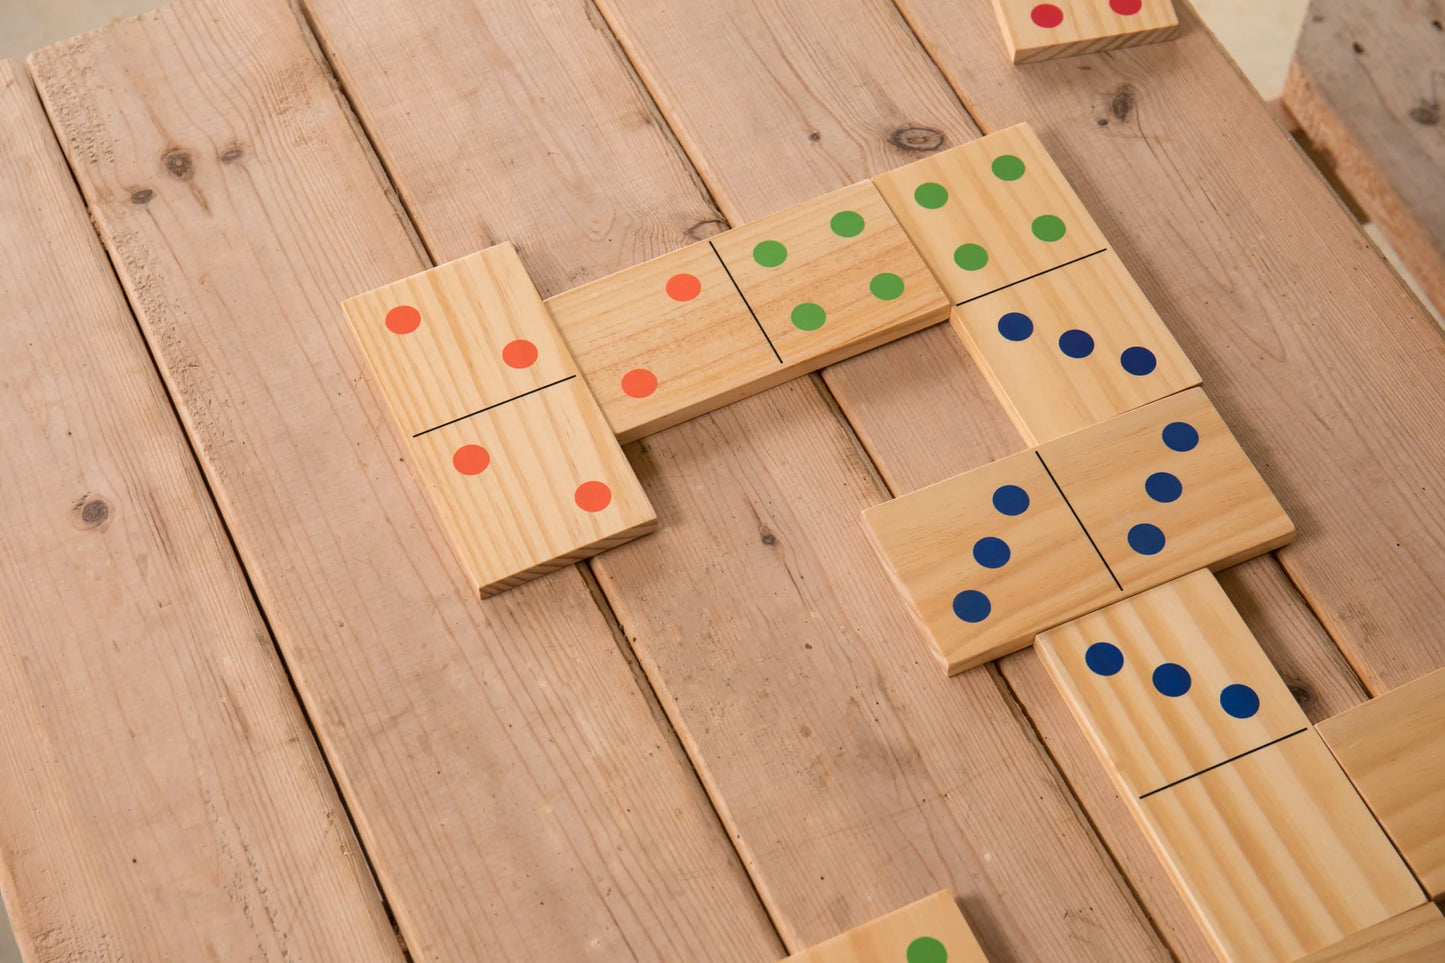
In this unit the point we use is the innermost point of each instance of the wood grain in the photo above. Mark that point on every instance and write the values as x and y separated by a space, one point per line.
518 794
1365 87
1393 749
855 778
1417 934
163 797
1271 299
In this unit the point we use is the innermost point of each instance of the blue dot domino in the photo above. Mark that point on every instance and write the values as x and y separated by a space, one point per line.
1146 539
991 552
1010 500
1076 343
1016 326
1138 361
1104 658
1172 679
1240 701
972 606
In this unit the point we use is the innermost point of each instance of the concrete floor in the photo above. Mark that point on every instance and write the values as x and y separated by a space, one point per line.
1260 36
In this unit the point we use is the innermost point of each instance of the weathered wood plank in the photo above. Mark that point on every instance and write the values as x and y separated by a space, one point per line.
1365 87
519 795
854 776
162 796
1326 368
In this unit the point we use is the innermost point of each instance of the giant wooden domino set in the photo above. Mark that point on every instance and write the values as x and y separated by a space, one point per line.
1097 543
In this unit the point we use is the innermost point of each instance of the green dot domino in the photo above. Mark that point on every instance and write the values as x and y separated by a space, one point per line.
770 254
886 286
970 257
809 316
847 224
1007 167
926 949
1047 227
931 195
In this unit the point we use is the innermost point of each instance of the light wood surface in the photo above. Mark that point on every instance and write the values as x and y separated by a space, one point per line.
665 341
1415 935
990 558
1164 490
990 212
1120 671
931 930
1072 348
518 794
758 610
1277 853
521 466
1393 749
1063 28
163 797
1364 86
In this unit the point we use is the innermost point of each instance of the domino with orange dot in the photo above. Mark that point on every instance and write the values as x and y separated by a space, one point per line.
520 463
1062 28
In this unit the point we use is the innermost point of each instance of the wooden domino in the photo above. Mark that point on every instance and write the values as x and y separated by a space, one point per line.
1170 683
1276 854
1393 749
1165 489
931 930
989 558
1415 935
1072 347
1043 31
993 212
665 341
518 459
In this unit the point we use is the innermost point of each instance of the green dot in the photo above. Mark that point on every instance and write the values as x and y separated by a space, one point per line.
770 253
847 224
809 316
885 286
926 949
931 195
1007 167
970 257
1047 227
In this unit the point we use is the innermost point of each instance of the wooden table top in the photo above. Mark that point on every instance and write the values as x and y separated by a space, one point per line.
725 741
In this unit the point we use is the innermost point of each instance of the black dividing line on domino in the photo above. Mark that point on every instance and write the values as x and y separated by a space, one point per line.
1056 267
497 405
1080 521
748 304
1224 763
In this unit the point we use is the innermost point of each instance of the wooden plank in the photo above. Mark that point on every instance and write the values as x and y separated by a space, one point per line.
989 559
522 468
1170 683
163 797
1045 31
1277 853
931 930
1072 348
1363 85
1418 934
759 609
499 757
1270 300
1393 749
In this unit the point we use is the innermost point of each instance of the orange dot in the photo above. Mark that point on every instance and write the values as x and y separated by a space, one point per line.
471 459
593 496
683 287
403 319
519 354
639 383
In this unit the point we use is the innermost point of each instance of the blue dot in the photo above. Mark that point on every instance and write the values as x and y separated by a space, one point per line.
1163 487
1138 361
1146 539
991 552
1076 343
1011 500
1239 701
1171 679
971 606
1016 326
1180 436
1104 658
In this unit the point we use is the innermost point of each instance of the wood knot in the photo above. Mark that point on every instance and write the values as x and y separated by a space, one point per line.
232 154
141 195
1301 693
921 139
768 538
179 164
1426 112
1121 105
815 136
706 229
90 511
